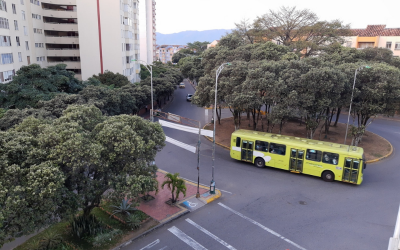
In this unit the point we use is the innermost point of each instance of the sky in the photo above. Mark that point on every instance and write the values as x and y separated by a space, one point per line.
180 15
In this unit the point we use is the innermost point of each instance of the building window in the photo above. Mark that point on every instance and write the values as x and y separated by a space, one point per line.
7 58
27 45
36 16
397 46
18 43
388 45
37 31
4 23
366 45
348 44
40 59
22 2
39 45
23 15
25 31
16 24
3 6
20 56
6 76
5 41
35 2
14 9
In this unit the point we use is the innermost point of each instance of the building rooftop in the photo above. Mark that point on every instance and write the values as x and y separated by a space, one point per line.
376 30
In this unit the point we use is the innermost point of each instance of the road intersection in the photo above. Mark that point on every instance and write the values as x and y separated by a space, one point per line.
274 209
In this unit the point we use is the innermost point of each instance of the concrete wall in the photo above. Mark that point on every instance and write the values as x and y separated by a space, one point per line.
89 38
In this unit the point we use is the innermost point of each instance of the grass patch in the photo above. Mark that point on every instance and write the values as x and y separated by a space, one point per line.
377 155
106 207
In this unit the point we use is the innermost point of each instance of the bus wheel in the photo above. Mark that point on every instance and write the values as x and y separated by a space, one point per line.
328 176
259 162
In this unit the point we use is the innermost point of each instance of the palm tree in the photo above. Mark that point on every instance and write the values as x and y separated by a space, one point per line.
175 184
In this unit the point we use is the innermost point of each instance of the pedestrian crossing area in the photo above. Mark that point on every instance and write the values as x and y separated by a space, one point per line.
192 235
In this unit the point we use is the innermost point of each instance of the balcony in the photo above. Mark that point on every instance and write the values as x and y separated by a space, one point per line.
59 13
62 39
63 52
61 26
70 64
60 2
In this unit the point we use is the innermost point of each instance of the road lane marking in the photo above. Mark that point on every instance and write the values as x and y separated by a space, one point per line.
163 248
262 226
210 234
151 244
185 238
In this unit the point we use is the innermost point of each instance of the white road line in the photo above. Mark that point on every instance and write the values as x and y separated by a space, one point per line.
206 185
185 238
210 234
163 248
262 226
151 244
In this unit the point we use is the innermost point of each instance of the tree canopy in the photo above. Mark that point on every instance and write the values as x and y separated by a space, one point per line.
49 170
109 78
33 83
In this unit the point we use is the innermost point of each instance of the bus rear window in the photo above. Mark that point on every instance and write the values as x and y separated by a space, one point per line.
313 155
238 142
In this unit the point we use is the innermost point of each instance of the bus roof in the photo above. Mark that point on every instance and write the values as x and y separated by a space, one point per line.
302 142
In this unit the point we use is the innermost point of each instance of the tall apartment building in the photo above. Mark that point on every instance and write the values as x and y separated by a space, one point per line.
151 30
89 36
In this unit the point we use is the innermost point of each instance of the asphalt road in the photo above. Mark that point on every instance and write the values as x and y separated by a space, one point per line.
275 209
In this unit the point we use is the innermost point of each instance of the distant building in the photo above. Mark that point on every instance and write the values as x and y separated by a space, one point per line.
89 36
375 36
164 53
213 44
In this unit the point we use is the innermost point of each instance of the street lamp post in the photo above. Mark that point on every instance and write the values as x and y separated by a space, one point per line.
150 69
351 100
212 185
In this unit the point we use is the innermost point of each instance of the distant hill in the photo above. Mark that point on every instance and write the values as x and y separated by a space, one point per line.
184 37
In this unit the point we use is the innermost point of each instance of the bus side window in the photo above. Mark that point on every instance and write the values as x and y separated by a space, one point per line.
238 142
262 146
330 158
279 149
313 155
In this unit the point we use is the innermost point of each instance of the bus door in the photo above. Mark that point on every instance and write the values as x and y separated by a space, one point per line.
351 170
296 160
247 151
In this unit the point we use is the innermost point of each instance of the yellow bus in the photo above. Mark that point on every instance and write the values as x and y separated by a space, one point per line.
330 161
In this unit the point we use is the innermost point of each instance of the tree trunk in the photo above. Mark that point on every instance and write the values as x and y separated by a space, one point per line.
326 122
337 116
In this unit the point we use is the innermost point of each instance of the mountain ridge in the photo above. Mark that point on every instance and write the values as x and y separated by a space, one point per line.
190 36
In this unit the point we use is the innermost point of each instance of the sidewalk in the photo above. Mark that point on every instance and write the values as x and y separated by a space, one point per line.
164 213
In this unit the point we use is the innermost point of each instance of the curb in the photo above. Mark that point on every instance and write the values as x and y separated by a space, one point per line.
383 157
368 162
211 140
170 219
191 84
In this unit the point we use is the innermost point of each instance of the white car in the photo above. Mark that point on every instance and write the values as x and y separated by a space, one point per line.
189 97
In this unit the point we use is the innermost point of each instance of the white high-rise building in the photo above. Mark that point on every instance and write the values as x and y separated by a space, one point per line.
151 30
89 36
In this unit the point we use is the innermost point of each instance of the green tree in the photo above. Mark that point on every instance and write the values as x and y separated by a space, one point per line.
50 170
198 47
33 83
175 184
181 54
109 78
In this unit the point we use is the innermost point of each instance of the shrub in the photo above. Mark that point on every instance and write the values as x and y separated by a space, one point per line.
86 226
50 240
134 221
124 208
104 238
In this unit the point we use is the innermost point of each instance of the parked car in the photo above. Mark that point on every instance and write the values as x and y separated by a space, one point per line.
182 85
189 97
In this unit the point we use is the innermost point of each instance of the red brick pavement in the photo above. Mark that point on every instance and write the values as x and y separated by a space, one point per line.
157 208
